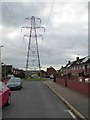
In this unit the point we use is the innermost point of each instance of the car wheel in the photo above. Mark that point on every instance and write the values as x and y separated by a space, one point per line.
9 100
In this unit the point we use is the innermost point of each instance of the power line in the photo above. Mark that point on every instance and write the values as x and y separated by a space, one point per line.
11 14
50 12
22 11
49 16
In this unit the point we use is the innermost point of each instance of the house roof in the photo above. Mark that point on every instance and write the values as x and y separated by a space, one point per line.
76 62
51 68
88 61
85 60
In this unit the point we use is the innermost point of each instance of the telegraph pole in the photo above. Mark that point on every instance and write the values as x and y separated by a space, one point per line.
33 58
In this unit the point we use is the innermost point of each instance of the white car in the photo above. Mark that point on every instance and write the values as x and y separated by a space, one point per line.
87 79
51 76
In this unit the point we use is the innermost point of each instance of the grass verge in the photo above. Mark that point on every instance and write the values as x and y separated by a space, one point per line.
36 79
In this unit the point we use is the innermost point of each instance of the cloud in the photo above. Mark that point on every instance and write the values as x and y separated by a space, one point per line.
66 32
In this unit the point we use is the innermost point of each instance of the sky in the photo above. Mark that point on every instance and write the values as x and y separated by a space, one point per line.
65 37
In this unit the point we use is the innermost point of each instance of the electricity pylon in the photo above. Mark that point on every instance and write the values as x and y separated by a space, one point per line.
33 58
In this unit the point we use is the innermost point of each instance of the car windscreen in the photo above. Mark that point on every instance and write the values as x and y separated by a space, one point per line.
14 80
0 86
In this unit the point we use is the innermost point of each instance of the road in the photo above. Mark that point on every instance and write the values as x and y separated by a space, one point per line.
35 100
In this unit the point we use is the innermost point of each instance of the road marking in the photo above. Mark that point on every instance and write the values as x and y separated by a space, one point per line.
73 116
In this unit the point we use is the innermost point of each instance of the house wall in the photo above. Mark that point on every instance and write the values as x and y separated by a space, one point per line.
77 69
51 71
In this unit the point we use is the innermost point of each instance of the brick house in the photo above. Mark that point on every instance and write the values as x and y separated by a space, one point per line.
77 68
6 69
51 71
87 67
18 72
73 75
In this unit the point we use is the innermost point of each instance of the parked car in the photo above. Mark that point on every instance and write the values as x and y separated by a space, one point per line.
87 79
14 83
51 76
5 95
34 76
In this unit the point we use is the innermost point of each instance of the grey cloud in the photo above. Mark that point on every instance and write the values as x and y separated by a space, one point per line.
20 11
59 44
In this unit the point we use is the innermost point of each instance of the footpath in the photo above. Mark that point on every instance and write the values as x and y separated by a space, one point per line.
75 101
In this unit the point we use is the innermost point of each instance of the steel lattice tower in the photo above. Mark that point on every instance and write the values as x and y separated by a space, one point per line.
33 58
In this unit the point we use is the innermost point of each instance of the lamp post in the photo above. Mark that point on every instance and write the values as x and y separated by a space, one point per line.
5 71
0 65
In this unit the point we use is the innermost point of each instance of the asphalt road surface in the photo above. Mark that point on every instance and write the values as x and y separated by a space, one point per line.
35 100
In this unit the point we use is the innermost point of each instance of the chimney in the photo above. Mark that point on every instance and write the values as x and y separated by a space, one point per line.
62 67
77 58
69 62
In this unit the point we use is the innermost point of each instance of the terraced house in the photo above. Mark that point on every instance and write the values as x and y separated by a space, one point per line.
77 68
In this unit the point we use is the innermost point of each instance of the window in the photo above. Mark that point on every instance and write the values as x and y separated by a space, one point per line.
88 66
79 67
83 67
4 87
74 68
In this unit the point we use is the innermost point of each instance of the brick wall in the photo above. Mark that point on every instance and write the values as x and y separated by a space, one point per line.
80 87
60 81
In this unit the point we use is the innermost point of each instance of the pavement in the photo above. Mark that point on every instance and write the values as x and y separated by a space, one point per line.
75 101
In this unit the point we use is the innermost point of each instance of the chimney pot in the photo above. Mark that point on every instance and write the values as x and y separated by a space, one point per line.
69 62
77 58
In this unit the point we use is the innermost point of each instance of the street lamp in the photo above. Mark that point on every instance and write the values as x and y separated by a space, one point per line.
0 65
